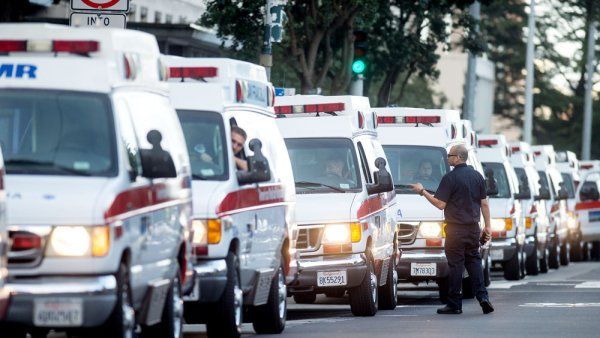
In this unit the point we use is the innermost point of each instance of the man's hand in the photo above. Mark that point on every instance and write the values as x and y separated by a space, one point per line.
417 187
486 235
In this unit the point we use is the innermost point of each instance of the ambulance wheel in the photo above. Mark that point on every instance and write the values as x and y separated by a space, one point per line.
544 260
305 298
12 331
565 256
388 293
363 298
512 267
443 289
270 318
532 264
171 324
554 257
121 323
595 252
225 318
467 288
585 252
577 251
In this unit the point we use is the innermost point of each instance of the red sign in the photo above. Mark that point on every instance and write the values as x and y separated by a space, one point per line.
101 5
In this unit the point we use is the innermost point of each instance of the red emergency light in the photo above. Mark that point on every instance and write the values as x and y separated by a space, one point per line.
537 153
586 166
515 149
388 119
310 108
192 72
55 46
422 119
25 241
487 143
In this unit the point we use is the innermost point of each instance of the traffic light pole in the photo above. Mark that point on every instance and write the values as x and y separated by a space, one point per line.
468 106
266 56
356 87
528 123
587 108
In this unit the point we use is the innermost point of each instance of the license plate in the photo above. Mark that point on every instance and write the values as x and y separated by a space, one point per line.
332 278
58 312
497 255
423 269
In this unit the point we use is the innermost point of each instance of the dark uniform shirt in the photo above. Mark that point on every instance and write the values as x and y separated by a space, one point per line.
462 189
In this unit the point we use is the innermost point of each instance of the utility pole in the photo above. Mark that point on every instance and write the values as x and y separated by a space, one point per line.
356 86
589 83
468 107
528 124
266 56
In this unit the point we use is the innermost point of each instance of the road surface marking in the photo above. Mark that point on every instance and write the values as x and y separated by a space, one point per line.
505 284
560 305
588 285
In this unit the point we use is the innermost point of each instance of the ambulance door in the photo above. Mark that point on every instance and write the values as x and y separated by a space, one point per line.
588 207
388 227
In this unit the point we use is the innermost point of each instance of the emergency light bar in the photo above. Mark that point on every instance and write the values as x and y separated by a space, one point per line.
408 119
515 149
586 166
47 46
192 72
537 153
487 143
310 108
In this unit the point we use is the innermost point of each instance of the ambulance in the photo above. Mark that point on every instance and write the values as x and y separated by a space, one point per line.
98 183
346 205
242 219
568 166
534 208
588 207
4 244
507 216
555 196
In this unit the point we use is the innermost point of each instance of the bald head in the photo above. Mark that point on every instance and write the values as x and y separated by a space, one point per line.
461 151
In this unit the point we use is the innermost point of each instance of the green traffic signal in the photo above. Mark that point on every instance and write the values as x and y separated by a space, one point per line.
359 66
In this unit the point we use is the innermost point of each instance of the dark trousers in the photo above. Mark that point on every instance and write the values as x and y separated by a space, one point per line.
462 251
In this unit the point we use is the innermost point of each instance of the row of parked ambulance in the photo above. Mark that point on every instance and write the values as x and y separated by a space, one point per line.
128 212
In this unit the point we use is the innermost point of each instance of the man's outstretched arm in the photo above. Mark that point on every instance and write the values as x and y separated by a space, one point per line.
418 188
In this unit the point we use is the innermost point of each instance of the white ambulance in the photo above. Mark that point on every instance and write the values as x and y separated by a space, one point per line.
345 201
4 244
588 207
242 219
507 219
534 208
555 196
98 183
568 166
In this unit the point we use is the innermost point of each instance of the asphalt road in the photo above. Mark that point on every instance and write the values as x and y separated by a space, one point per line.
562 303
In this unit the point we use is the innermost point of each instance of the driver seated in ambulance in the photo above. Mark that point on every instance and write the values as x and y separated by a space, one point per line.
336 172
425 173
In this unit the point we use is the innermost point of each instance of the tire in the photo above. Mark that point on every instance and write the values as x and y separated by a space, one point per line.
577 250
443 289
171 324
554 256
388 293
467 288
585 252
225 317
544 260
532 263
363 298
121 322
595 252
305 298
565 254
512 267
270 318
11 331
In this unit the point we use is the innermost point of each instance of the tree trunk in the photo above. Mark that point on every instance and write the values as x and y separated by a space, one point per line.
387 86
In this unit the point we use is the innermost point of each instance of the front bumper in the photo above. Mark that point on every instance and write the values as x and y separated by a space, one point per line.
211 278
507 245
422 256
355 266
98 295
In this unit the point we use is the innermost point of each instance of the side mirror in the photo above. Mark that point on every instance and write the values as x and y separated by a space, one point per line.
156 162
544 194
563 194
382 179
524 193
258 166
589 193
490 183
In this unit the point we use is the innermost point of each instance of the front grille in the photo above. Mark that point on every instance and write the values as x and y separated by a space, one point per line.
407 233
25 256
309 239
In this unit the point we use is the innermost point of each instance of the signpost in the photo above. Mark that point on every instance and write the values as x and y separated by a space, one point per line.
99 13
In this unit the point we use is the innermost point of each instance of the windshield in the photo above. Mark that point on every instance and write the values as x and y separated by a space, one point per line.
324 165
205 138
57 133
500 178
569 184
412 164
523 182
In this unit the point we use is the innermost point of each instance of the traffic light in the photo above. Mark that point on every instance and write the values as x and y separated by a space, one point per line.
359 65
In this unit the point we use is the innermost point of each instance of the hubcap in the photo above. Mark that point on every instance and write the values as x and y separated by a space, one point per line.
374 287
128 313
177 309
282 294
237 304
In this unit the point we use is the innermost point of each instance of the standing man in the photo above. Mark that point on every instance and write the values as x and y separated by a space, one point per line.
462 196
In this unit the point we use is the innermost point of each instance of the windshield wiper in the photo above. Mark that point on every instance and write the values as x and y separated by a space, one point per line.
403 186
316 184
198 177
52 165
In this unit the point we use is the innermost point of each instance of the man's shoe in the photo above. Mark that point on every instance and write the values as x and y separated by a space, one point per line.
486 307
446 310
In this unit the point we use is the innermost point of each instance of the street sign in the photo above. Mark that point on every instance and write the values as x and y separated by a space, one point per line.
100 5
103 20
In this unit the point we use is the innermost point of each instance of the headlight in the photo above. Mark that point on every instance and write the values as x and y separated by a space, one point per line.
206 231
342 233
79 241
572 220
430 229
501 224
199 228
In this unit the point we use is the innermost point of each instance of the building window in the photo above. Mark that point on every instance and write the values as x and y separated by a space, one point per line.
169 19
157 17
132 12
144 14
